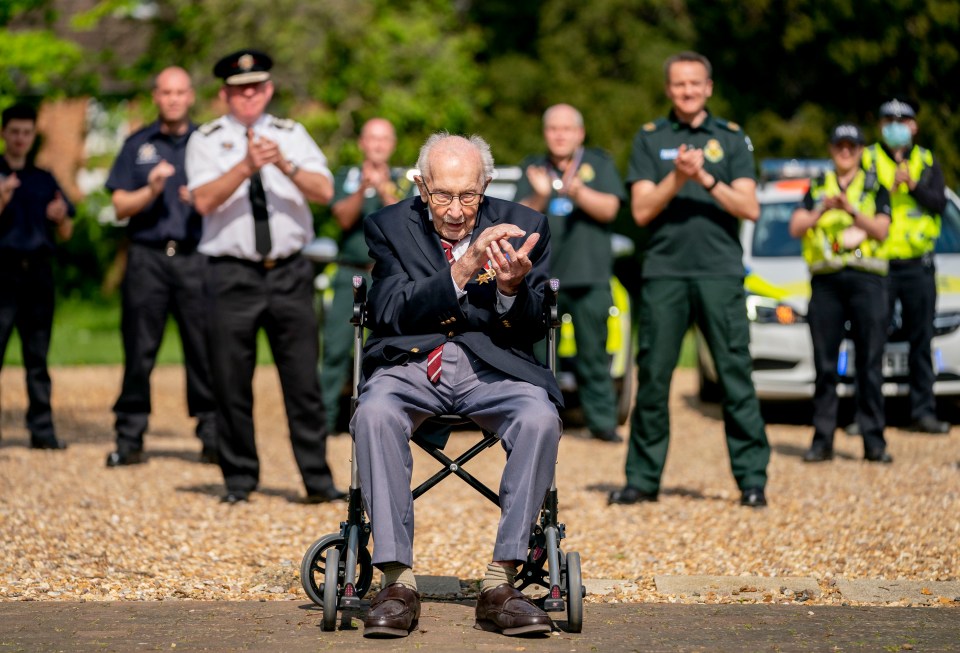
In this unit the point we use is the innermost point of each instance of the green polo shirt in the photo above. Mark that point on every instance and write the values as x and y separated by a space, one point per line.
353 245
693 236
580 246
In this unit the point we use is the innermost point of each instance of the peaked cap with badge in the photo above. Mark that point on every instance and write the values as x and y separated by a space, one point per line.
244 67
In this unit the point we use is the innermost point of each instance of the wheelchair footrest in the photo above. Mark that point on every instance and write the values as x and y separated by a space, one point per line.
349 603
554 605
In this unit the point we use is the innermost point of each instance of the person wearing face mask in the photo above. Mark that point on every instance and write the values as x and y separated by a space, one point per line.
916 186
842 222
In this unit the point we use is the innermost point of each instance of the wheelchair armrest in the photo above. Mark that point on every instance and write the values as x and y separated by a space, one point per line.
551 315
359 300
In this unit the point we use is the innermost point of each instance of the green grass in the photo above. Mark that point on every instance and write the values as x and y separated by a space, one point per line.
87 332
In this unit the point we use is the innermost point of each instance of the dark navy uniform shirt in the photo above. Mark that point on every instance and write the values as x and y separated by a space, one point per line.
24 227
167 217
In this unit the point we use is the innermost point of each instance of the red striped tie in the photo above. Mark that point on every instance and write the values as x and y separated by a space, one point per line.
434 359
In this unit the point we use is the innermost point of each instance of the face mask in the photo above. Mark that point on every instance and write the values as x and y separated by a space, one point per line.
896 135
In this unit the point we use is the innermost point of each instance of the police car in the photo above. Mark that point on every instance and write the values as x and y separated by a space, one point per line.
778 290
619 330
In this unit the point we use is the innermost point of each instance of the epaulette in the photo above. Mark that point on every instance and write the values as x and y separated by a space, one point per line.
655 125
283 123
729 125
208 128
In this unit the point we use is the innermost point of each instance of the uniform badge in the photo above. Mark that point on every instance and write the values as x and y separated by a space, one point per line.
586 173
649 127
245 62
147 153
713 151
669 154
732 126
352 183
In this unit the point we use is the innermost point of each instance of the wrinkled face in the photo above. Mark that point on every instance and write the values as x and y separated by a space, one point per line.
19 136
377 141
562 132
846 155
453 172
173 96
247 102
688 88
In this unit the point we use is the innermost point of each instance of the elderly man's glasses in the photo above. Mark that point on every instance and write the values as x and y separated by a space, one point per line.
445 199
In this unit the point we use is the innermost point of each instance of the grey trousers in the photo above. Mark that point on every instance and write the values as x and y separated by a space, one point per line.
395 400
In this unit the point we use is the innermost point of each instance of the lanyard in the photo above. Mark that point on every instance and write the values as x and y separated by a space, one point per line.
561 184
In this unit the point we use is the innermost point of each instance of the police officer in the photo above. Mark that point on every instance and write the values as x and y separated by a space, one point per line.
692 178
579 190
358 192
917 198
33 215
843 220
164 271
251 175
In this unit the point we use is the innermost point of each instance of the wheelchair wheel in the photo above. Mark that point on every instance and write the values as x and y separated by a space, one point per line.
574 593
331 573
313 568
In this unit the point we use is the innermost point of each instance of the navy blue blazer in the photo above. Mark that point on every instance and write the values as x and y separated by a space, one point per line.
413 306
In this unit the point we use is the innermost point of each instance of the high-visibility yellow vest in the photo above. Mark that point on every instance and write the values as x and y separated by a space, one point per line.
822 245
913 231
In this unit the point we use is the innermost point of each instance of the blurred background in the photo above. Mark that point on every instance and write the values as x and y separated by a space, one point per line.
786 70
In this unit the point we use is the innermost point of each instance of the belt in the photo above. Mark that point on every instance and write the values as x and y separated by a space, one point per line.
925 260
265 264
170 247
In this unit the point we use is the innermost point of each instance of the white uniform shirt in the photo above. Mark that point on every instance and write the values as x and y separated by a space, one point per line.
215 148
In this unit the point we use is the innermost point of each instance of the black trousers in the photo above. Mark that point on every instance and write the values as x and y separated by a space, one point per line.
155 286
242 298
861 298
913 282
26 304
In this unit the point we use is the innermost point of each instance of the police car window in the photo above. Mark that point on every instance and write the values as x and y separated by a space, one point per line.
949 241
771 235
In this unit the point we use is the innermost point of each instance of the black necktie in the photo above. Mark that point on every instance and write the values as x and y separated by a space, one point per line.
261 219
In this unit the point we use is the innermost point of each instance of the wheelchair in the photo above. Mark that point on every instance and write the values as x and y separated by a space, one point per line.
337 570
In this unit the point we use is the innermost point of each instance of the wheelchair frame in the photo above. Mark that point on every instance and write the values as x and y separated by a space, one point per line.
337 570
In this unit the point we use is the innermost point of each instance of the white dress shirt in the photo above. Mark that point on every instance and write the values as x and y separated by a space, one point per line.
215 148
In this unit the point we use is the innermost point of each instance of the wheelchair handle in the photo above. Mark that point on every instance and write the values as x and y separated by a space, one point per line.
359 299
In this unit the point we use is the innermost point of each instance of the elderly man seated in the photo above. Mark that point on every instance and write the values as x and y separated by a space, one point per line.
455 307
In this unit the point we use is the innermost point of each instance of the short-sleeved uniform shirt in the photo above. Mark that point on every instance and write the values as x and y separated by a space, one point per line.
580 246
353 245
215 147
167 217
24 226
693 236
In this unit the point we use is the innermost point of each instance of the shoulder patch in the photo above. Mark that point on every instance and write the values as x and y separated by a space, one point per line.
208 128
728 125
650 126
283 123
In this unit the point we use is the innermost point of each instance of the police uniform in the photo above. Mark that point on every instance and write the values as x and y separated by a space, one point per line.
693 274
848 283
27 243
247 291
164 275
582 260
914 228
353 259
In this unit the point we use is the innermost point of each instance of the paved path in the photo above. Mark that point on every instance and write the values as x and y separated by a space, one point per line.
295 626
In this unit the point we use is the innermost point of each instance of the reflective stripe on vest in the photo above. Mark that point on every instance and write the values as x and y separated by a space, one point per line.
913 231
822 245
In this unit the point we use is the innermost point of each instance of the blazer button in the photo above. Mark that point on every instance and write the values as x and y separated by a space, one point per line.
415 350
450 335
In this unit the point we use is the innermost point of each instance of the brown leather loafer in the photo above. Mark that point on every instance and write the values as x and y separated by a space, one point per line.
505 609
394 612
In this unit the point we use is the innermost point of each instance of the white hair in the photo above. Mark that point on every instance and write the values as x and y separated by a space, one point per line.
477 142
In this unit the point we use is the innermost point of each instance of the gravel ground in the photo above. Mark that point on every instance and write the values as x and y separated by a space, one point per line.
72 529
